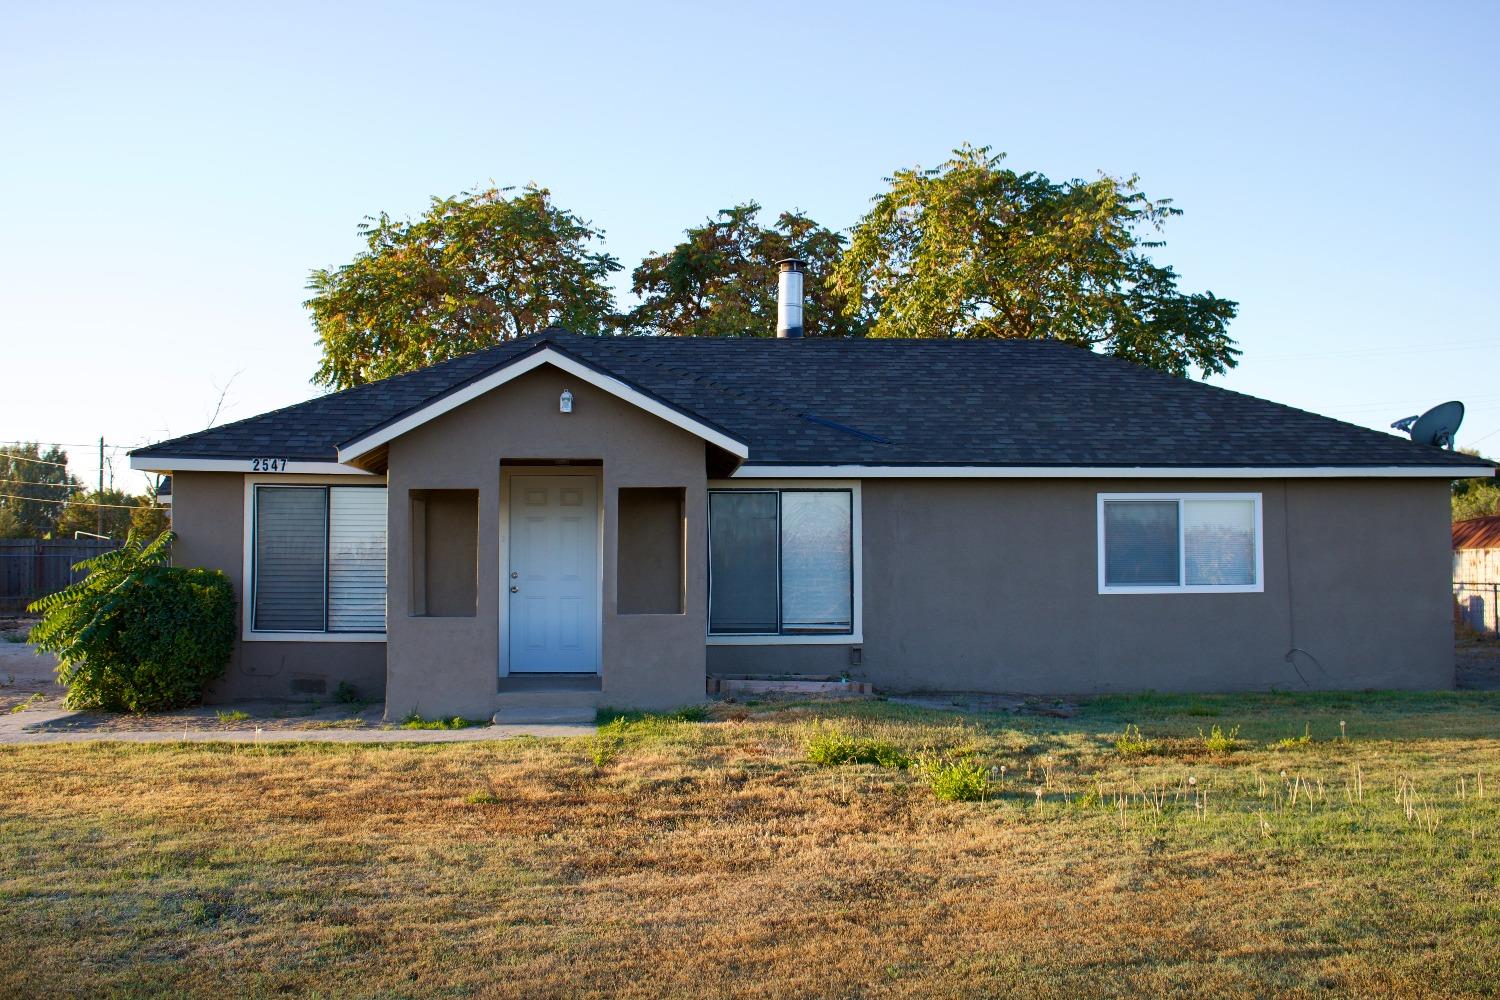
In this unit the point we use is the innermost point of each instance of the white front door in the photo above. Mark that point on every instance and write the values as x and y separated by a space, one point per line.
553 577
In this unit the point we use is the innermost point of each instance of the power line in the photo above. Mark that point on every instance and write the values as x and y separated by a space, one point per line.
75 503
75 444
60 486
35 461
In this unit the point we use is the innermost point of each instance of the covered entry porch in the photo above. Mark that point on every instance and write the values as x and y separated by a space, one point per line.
544 561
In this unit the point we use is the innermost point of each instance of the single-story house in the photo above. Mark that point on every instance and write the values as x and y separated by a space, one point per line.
1476 572
621 518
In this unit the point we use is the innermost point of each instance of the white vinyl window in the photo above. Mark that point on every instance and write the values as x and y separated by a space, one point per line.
1189 543
781 562
318 559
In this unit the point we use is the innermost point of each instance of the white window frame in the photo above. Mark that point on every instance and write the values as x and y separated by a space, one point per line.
1182 587
854 637
248 632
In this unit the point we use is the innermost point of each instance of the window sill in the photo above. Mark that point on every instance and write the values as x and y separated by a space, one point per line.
828 639
249 636
1251 589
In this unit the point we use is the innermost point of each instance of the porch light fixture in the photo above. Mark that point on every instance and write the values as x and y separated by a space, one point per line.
565 401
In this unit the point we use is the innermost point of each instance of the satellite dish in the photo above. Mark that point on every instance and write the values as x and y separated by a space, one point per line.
1436 426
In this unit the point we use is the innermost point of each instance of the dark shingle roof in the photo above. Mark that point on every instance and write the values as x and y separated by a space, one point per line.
876 402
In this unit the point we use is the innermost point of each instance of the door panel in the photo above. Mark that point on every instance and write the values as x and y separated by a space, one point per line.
554 570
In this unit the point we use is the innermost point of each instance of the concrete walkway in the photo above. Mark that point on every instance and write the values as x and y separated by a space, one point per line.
35 726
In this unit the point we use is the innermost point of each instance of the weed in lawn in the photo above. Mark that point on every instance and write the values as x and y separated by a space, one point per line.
346 693
415 721
1131 743
958 780
1294 742
688 713
488 798
832 745
1218 741
227 717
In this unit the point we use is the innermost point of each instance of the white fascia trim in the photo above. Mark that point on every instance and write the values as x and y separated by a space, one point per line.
1106 472
546 356
168 464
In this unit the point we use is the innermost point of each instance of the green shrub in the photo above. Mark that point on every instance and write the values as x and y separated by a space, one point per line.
1218 741
137 634
957 780
831 746
1131 743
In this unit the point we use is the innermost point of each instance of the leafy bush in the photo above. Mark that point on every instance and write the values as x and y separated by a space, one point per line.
137 634
832 746
1131 743
957 780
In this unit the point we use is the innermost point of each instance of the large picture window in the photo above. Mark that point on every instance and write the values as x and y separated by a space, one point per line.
1188 543
318 559
781 562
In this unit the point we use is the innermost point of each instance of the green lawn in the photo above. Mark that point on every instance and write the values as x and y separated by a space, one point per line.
698 856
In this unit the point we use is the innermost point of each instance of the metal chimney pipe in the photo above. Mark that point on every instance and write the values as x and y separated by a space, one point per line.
789 300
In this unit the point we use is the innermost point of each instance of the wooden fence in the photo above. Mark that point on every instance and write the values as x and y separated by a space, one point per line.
30 569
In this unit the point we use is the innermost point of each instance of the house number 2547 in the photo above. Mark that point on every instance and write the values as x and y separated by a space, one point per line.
268 465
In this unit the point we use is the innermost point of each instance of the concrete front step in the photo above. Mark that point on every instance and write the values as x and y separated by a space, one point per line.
545 706
537 715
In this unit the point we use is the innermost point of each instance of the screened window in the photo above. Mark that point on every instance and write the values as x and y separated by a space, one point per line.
319 559
780 562
1191 543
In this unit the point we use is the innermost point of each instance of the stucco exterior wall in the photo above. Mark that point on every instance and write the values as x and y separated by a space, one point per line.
992 585
209 516
449 666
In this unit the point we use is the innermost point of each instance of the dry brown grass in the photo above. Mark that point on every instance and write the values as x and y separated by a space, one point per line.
713 859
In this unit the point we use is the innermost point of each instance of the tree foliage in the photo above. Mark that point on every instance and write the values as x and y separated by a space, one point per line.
473 271
137 634
113 513
1475 497
720 281
972 249
40 477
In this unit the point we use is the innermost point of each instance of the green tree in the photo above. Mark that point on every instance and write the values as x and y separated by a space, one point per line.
120 512
473 271
1475 497
971 249
33 484
720 281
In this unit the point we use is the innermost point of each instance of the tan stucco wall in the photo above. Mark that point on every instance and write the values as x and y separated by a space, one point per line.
992 585
447 666
209 517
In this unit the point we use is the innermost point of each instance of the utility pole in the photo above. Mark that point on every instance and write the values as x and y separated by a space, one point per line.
99 497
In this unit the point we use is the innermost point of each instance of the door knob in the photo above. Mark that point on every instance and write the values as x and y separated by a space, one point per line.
515 590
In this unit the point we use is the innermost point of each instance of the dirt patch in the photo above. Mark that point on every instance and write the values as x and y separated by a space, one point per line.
1478 664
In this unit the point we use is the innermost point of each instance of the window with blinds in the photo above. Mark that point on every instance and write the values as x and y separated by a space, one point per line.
780 562
319 559
1192 543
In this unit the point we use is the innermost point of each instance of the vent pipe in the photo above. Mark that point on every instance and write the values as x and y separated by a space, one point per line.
789 300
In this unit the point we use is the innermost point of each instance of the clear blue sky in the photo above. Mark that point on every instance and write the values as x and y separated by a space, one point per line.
171 173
